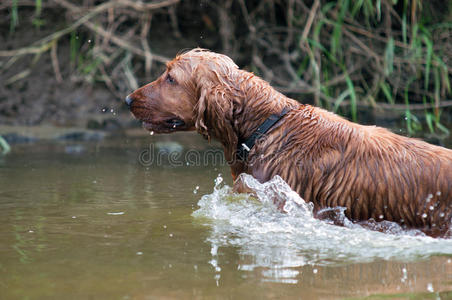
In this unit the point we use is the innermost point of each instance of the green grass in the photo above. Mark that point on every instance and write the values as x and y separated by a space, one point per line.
407 53
14 16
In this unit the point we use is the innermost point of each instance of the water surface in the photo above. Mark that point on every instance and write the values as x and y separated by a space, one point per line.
89 220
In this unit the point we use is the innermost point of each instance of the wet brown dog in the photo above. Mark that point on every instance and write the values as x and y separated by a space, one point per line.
328 160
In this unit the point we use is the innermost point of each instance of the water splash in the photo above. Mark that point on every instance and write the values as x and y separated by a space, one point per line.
282 240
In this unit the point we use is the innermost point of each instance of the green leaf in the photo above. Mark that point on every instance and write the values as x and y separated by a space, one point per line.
38 22
428 61
386 91
74 47
357 7
302 67
353 101
389 57
38 8
14 16
340 99
408 116
378 10
337 31
404 27
429 119
442 128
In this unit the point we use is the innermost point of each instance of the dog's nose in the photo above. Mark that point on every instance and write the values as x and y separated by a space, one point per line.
129 100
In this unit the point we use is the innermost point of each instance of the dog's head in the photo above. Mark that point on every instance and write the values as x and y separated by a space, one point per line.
195 86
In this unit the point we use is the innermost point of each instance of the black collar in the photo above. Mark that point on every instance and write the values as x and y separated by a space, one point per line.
244 147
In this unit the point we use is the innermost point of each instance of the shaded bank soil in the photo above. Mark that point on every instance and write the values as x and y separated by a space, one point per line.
31 93
39 98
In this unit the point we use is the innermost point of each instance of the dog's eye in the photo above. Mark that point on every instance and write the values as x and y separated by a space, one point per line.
170 79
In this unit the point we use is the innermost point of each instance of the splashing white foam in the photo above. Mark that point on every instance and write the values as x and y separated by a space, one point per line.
282 240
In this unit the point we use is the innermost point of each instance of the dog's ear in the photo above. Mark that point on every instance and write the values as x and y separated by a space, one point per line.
200 113
214 111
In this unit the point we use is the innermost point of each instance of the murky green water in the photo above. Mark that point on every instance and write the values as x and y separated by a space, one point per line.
90 221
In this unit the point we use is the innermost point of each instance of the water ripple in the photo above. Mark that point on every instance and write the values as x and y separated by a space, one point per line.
281 241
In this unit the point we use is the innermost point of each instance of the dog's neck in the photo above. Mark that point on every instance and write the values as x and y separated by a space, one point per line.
258 102
255 103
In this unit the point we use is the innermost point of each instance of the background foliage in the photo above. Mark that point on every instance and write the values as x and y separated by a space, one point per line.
347 56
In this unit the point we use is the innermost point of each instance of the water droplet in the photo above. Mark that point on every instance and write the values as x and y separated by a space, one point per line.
218 180
195 191
115 213
214 251
404 275
424 215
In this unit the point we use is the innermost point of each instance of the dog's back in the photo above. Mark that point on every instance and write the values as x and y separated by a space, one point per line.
372 172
